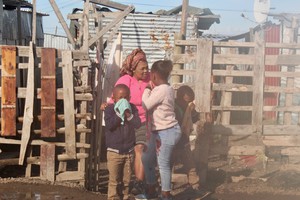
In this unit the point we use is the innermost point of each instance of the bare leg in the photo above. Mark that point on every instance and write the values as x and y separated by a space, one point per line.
138 165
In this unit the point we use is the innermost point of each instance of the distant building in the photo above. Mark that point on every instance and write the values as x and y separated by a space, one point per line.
16 23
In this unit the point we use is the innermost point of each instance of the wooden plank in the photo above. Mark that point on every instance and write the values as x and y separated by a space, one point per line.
109 3
78 97
48 92
183 72
184 13
291 151
234 44
292 45
283 109
232 87
110 25
65 157
203 75
69 112
280 89
227 95
232 129
70 176
233 59
62 21
85 26
246 150
258 84
282 74
8 98
28 108
233 73
186 42
248 59
41 142
177 50
33 38
47 158
281 129
282 141
183 58
293 60
232 108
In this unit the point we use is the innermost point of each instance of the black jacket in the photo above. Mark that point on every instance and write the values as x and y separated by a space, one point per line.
120 137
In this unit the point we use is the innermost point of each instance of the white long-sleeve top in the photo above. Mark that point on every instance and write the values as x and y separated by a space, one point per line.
160 101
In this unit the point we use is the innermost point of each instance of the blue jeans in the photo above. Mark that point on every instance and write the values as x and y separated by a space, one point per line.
159 148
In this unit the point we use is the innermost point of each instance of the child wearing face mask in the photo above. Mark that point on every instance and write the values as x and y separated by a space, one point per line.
121 119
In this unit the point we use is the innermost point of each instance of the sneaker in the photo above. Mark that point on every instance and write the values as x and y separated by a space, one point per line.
138 188
146 197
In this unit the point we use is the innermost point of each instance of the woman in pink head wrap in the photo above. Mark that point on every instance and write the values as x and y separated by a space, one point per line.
134 73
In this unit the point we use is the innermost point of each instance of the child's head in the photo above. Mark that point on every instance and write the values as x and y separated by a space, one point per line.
185 94
160 71
121 91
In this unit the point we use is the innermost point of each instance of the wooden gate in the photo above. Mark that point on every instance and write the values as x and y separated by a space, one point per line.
234 74
44 110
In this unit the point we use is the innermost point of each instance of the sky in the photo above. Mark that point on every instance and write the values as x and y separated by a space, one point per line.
231 11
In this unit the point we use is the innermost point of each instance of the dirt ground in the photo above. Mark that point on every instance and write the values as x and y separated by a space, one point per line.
236 181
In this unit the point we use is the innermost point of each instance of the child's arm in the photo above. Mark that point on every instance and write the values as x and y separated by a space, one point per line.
133 118
151 98
112 121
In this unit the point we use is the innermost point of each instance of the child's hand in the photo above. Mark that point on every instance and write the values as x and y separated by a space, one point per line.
127 113
192 105
103 106
151 84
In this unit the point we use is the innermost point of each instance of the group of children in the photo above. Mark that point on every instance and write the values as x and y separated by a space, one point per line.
166 130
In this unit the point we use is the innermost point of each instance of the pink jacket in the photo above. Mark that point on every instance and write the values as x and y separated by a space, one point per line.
136 92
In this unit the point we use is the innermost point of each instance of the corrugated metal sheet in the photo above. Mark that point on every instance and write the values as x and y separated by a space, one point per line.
56 41
153 33
10 30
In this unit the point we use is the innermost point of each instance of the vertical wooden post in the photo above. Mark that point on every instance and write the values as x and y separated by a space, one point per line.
28 109
47 158
86 12
203 75
9 96
203 97
184 15
227 96
34 22
258 85
48 92
290 80
177 50
69 112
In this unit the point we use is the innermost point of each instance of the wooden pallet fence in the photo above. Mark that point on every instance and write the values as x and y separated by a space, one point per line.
238 82
69 131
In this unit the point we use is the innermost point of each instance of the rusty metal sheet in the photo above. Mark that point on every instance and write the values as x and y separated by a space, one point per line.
48 92
47 158
8 89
